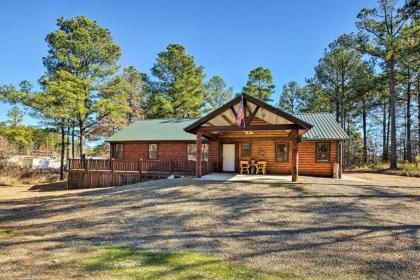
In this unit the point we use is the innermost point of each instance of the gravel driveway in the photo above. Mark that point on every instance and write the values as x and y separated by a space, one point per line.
321 228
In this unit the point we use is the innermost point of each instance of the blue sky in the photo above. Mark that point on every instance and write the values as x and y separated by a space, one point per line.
228 38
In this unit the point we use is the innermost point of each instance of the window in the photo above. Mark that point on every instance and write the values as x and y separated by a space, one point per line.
246 149
118 151
153 151
282 152
192 151
323 152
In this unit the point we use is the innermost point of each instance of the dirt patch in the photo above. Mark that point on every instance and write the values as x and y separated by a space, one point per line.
320 228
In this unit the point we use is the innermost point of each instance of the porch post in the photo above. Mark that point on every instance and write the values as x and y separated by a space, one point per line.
198 154
295 156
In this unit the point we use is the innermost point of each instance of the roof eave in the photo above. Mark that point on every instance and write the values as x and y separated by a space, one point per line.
192 127
323 139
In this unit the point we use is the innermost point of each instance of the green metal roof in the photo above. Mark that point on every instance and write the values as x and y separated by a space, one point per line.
155 130
324 128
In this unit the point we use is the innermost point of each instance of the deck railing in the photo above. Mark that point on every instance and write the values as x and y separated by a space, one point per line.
142 166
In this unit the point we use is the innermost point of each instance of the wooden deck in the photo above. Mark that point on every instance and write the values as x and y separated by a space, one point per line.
94 173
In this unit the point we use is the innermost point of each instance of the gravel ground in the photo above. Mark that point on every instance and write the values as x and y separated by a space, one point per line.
320 228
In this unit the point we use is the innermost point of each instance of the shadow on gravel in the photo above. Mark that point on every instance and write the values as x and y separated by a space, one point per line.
57 186
328 228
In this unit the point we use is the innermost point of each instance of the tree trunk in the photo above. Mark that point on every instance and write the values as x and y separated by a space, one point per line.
344 118
408 121
337 109
388 129
393 159
81 140
350 148
63 144
364 131
418 114
68 142
72 141
403 139
384 134
343 109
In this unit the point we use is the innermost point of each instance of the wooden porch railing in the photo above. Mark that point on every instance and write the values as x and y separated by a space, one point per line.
141 166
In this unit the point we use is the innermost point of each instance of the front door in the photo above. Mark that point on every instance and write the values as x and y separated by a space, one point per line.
229 157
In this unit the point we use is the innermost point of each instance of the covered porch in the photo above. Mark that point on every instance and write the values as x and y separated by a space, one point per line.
246 129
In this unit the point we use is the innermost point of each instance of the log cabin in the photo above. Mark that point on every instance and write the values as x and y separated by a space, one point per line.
243 129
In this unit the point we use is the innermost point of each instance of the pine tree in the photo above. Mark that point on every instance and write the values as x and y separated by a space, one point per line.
314 98
15 115
260 84
380 30
178 91
334 73
216 93
137 91
290 99
409 68
364 87
81 60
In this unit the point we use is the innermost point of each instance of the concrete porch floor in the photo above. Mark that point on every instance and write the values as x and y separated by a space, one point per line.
269 178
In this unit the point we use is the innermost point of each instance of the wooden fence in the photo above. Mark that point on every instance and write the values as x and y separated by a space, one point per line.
93 173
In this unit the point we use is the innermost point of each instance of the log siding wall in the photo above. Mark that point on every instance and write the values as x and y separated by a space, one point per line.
260 150
266 150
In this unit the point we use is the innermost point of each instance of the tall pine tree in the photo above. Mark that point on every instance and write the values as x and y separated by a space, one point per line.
178 91
216 93
82 58
137 91
334 73
260 84
290 99
380 30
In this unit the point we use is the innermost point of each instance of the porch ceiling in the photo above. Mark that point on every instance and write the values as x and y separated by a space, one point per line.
258 135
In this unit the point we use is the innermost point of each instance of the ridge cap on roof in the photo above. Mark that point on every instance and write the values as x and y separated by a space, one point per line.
166 119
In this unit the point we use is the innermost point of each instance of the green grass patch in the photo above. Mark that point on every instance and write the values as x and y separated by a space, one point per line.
129 263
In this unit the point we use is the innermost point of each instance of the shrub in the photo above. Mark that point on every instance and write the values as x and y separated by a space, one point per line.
409 168
6 150
377 166
14 175
7 181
